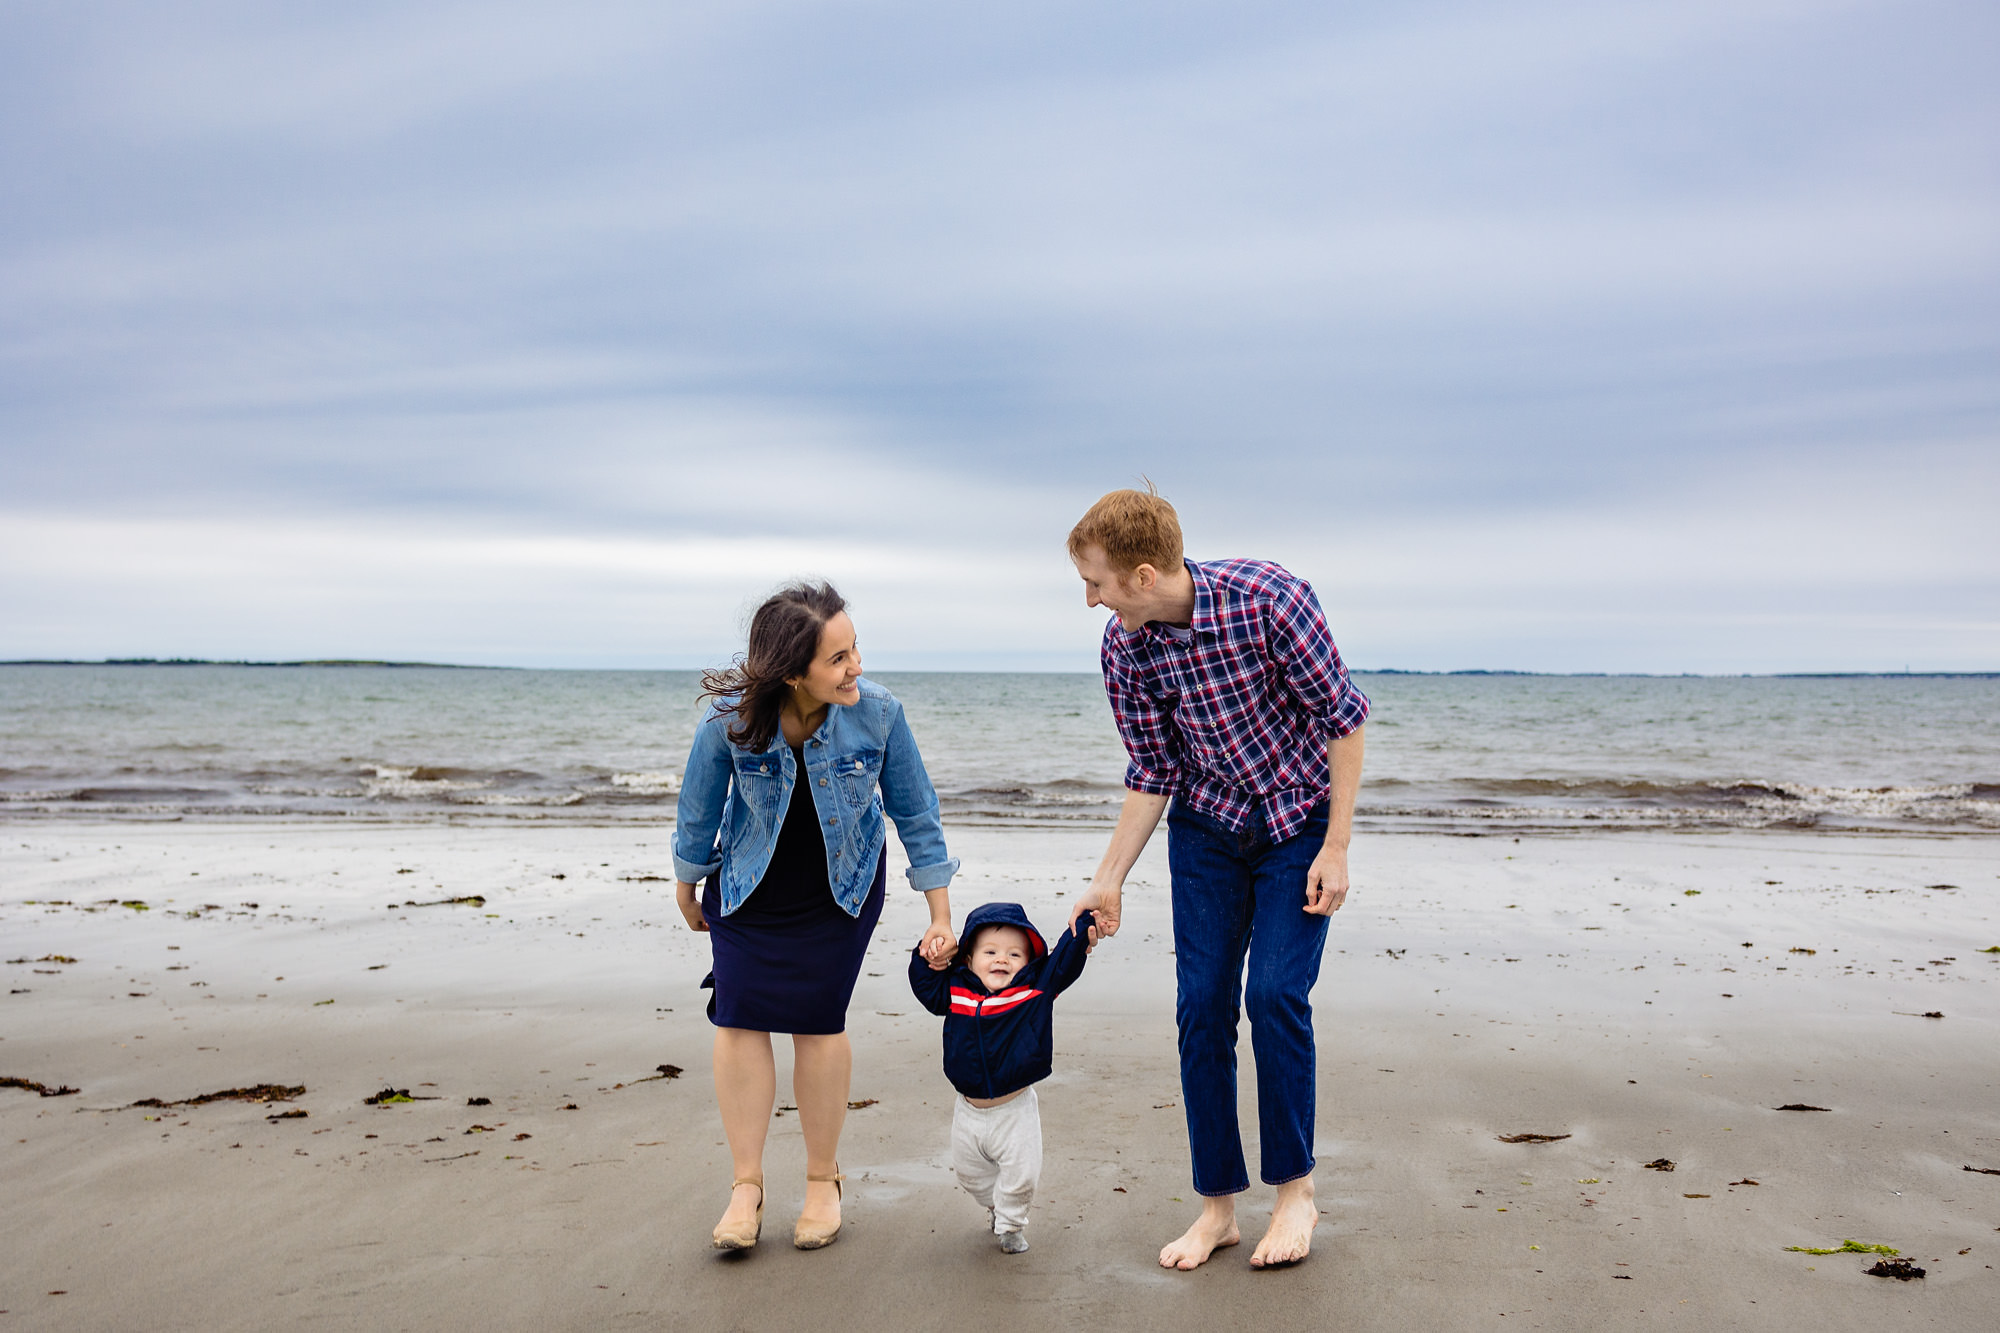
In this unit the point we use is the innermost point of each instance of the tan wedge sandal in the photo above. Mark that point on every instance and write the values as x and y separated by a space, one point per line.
736 1238
814 1235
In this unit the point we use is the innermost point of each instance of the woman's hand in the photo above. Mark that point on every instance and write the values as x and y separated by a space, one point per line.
939 943
684 894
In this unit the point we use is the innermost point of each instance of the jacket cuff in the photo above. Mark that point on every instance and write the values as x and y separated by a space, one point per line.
693 872
925 878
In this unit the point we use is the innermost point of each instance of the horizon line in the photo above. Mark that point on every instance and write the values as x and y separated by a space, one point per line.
359 663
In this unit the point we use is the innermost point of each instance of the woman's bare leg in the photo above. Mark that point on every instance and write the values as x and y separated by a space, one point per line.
822 1073
746 1088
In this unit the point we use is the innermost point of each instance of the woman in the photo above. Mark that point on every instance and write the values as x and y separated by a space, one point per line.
781 811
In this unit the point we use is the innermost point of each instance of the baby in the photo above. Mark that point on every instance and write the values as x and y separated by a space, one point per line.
996 998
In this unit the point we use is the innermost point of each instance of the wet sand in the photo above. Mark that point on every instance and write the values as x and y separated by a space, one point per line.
1474 987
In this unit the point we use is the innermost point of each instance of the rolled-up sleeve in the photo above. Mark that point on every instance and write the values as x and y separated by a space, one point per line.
698 811
911 801
1300 644
1145 727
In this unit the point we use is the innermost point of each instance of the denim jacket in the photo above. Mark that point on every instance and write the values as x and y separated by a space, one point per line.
862 763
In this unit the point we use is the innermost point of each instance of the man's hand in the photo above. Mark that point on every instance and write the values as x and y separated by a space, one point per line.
684 895
1326 881
1137 819
1104 901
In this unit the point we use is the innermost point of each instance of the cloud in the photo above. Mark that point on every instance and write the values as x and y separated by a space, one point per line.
1517 301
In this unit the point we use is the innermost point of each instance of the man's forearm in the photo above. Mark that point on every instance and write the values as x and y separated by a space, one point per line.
1136 822
1343 759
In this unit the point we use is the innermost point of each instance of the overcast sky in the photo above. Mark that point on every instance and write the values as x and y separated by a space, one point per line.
1592 336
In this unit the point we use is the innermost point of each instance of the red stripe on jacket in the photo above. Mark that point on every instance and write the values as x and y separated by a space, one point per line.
963 1001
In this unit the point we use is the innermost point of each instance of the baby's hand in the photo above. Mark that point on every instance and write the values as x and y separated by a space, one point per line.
938 946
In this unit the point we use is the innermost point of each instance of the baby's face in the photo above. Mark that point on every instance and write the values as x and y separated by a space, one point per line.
998 953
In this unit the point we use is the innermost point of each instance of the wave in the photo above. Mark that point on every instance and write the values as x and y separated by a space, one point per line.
1050 794
149 794
419 791
1738 804
661 783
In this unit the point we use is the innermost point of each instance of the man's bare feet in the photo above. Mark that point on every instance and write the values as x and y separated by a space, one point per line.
1214 1230
1293 1216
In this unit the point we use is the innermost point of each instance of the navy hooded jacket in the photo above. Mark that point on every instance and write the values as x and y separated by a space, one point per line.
1000 1042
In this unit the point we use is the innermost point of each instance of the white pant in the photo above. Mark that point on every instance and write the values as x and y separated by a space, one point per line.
997 1152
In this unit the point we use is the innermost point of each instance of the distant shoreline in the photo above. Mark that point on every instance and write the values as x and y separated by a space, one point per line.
1694 675
213 662
1359 671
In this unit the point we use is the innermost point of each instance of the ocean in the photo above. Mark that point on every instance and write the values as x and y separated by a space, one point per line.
1463 753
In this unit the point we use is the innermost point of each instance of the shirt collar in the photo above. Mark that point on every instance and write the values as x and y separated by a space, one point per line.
1203 621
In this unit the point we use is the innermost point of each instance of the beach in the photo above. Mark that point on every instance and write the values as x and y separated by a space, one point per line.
1649 996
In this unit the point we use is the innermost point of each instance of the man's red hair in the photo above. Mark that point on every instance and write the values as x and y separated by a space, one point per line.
1132 528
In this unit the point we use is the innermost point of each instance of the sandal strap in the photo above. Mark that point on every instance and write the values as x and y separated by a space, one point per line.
758 1181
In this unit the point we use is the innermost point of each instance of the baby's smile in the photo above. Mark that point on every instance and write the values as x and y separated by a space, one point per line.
996 975
998 954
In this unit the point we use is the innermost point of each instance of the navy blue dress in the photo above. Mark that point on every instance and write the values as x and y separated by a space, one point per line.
787 958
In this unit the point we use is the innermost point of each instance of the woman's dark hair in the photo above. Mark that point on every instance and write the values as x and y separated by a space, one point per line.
784 639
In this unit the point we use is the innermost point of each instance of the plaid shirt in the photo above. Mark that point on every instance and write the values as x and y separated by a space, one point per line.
1239 715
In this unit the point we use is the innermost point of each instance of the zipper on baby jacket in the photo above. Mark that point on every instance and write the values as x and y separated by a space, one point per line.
979 1031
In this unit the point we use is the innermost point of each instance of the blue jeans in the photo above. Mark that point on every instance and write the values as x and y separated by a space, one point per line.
1238 895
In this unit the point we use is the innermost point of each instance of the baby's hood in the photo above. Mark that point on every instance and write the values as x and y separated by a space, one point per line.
1004 914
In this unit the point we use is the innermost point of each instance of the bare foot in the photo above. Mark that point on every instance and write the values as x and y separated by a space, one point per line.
1214 1230
1289 1237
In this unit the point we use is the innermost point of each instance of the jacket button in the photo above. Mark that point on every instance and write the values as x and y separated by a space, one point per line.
822 782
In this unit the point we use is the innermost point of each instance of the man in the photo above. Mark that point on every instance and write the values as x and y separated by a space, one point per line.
1234 705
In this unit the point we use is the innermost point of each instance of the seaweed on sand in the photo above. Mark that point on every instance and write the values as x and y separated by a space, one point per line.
1900 1269
261 1092
44 1090
1531 1138
1845 1247
668 1072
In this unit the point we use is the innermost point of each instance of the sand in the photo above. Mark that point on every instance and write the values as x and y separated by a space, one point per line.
1641 994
